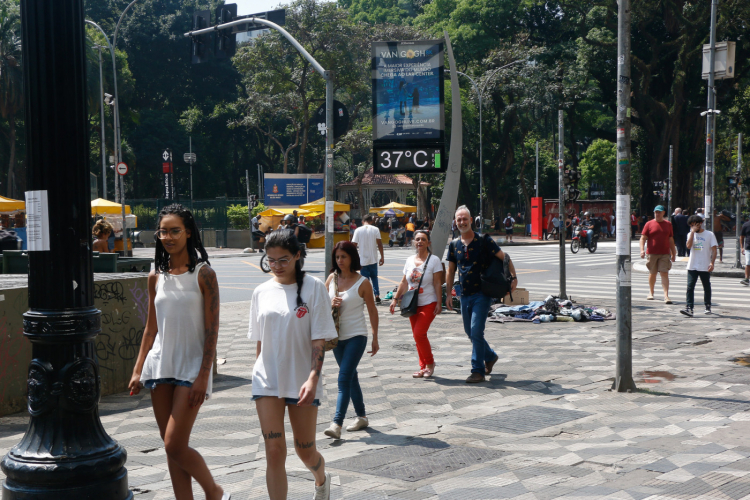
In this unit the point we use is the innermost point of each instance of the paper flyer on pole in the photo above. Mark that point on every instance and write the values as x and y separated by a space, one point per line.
37 217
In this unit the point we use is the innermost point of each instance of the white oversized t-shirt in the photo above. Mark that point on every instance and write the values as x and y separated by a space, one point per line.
414 273
366 238
286 332
700 253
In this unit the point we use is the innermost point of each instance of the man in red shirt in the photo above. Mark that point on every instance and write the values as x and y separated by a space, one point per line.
633 224
661 251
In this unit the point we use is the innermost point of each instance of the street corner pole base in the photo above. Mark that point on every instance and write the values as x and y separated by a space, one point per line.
110 488
620 384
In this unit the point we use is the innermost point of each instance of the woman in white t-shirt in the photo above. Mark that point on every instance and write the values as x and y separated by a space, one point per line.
290 318
429 303
354 292
179 343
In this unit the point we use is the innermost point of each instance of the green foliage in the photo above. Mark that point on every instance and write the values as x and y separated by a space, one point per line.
238 216
599 166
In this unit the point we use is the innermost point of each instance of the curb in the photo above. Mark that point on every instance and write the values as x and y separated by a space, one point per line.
640 267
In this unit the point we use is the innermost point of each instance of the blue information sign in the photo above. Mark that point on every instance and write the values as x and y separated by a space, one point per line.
292 190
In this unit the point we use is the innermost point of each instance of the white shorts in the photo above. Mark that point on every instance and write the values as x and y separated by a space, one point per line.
747 257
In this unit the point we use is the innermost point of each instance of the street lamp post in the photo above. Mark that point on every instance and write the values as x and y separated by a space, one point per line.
481 161
65 453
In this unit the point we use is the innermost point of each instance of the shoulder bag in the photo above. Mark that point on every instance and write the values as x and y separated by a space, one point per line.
330 344
410 300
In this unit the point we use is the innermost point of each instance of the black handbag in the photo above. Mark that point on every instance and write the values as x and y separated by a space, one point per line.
410 300
496 280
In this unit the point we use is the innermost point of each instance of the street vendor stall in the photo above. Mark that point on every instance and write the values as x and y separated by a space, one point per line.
272 217
13 217
112 213
409 209
340 224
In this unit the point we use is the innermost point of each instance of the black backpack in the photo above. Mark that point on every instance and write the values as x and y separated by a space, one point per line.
305 233
495 275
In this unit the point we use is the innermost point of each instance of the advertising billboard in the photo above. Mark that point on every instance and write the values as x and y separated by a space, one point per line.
292 190
407 91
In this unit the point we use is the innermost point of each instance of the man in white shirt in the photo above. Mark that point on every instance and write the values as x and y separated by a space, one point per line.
702 244
368 241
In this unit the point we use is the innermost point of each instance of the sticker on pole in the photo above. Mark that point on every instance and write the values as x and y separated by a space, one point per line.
330 205
122 168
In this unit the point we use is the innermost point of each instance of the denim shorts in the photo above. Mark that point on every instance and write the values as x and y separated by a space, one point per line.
153 382
288 401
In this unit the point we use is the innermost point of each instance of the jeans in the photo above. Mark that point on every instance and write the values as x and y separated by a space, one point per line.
589 236
348 353
474 310
680 241
633 230
692 279
371 272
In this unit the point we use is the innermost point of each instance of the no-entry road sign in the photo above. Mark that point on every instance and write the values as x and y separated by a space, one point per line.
122 168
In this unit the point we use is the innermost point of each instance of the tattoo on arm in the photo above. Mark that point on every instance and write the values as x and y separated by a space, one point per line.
318 355
271 435
211 301
303 446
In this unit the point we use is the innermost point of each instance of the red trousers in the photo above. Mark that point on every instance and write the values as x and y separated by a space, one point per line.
420 323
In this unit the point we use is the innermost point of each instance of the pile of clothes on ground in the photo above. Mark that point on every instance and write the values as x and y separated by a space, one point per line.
550 309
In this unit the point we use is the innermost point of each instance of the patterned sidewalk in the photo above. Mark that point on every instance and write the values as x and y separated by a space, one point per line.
544 426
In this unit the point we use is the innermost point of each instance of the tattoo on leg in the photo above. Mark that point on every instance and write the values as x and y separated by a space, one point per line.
316 467
271 435
303 446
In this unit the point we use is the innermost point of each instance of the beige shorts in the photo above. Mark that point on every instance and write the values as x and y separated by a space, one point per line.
658 263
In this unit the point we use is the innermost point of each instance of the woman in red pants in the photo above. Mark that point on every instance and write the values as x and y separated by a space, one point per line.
429 301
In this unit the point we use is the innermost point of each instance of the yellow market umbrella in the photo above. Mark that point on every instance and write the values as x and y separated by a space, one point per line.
320 206
270 212
396 206
11 205
101 206
390 212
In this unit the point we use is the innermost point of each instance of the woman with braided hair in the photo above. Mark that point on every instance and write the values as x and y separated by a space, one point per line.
290 319
179 343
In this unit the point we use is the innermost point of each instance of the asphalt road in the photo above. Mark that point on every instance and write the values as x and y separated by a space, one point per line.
589 276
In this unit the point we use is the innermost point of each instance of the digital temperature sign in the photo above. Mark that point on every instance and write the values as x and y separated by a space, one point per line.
409 160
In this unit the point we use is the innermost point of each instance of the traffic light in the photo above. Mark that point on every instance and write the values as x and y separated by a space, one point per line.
225 41
662 188
570 180
201 20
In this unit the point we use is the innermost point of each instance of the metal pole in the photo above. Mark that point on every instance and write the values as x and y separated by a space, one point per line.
481 165
537 169
249 210
191 178
624 362
329 177
708 187
260 183
669 182
65 452
101 120
560 174
738 216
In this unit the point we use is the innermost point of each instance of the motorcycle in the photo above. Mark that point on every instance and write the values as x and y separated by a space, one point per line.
579 235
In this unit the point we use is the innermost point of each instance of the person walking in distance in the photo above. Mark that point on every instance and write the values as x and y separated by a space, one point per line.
703 246
508 223
465 253
661 251
428 268
681 230
453 229
290 319
633 224
349 292
179 343
368 241
745 245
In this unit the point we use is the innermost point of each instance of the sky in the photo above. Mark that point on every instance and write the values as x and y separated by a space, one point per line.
245 7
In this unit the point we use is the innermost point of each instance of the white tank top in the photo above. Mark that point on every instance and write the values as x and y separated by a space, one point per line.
351 313
178 348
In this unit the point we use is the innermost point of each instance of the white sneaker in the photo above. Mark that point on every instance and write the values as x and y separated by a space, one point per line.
358 424
323 492
333 431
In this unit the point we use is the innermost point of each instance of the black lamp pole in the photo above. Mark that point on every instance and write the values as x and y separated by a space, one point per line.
65 453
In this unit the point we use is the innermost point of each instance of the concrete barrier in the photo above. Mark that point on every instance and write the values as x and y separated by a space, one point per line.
123 300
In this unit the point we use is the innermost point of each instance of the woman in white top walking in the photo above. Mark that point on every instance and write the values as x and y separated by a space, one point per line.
429 303
179 342
354 292
290 318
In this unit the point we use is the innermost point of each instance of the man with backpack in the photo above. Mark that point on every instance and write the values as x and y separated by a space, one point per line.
473 255
508 223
